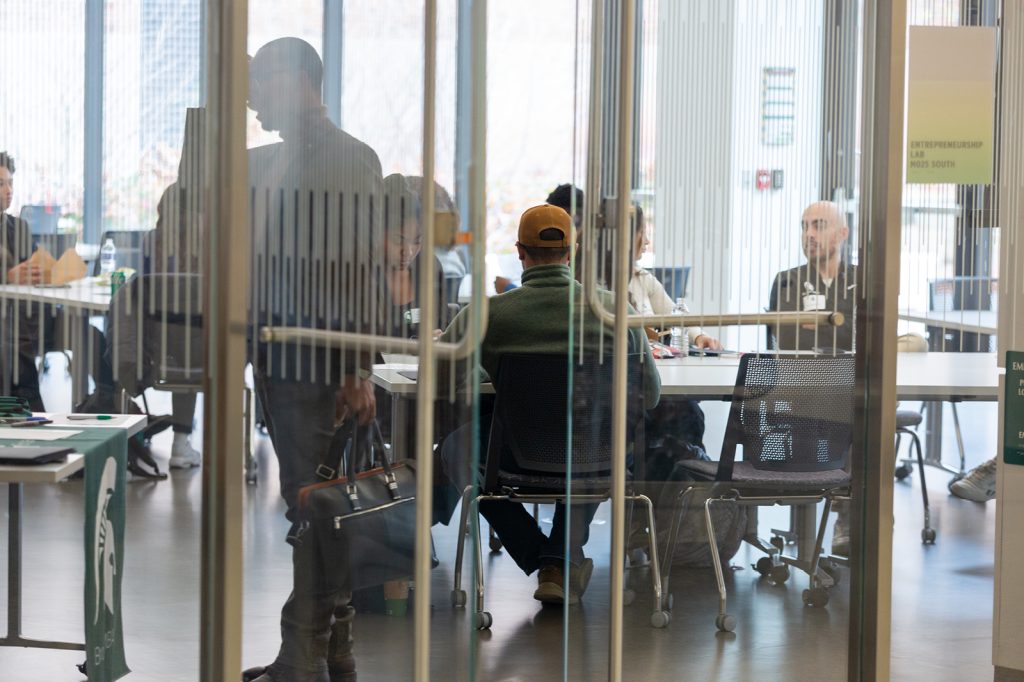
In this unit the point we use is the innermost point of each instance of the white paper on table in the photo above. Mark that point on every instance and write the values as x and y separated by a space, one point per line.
35 433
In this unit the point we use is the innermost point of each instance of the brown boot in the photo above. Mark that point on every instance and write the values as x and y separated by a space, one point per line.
341 664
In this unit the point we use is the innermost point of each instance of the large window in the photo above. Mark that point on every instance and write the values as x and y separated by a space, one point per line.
151 74
41 121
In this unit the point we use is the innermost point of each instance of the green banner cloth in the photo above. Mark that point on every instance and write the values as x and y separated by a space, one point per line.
106 454
1013 409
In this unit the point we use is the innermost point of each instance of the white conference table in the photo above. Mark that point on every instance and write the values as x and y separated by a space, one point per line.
919 376
930 377
87 293
973 321
16 476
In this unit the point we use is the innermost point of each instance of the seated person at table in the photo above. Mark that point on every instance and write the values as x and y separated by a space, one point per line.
535 319
647 294
400 279
823 283
829 284
399 314
35 322
569 198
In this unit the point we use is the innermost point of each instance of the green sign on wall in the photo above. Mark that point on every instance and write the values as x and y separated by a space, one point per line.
1013 430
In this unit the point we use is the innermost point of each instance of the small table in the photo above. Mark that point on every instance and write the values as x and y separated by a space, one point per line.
16 476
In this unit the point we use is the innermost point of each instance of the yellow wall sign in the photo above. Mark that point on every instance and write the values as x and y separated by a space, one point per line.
951 104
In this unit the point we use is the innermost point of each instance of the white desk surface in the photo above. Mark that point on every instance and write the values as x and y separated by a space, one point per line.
977 321
41 473
919 376
53 473
133 423
84 293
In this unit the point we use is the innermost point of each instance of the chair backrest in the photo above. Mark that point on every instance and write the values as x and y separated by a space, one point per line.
155 331
791 413
130 251
41 218
963 292
674 279
532 412
56 244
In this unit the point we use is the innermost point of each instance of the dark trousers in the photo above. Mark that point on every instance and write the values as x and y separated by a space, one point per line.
526 543
183 409
300 420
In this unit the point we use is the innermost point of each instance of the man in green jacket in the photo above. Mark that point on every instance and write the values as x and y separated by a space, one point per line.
536 318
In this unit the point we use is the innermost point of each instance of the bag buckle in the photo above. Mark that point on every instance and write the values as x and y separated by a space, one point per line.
296 532
353 496
392 484
325 472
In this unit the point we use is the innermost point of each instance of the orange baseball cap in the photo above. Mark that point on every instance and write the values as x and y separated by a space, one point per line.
544 217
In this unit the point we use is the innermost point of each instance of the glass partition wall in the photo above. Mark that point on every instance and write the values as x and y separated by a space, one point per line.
442 317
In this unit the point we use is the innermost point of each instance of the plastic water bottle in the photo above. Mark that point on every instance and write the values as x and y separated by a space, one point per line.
108 258
678 333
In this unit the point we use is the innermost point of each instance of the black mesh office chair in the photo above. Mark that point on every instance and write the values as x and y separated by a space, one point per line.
793 416
527 459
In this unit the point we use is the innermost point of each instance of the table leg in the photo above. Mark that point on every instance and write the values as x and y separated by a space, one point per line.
14 637
78 319
933 435
399 426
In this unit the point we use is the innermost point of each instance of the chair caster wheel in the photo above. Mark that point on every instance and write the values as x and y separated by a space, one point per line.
763 566
725 623
779 574
482 620
458 598
816 597
903 471
494 543
660 619
628 597
928 536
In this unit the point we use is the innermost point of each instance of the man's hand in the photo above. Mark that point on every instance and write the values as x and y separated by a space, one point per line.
708 342
25 273
355 398
501 284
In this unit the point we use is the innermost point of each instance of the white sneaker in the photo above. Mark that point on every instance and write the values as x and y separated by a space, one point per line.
979 485
183 455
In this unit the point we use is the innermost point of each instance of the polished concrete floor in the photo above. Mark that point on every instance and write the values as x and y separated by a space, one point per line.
942 598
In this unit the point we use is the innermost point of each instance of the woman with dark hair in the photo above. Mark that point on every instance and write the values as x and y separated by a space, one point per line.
648 296
400 299
400 278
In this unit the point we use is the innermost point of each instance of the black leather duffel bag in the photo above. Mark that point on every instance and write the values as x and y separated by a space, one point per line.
364 522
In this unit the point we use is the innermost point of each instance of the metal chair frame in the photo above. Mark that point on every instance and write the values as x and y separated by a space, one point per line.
490 490
775 566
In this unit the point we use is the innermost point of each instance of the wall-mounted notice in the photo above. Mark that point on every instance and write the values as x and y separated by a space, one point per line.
951 104
1013 420
778 105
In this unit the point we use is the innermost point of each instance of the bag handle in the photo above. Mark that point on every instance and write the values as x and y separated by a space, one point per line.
349 444
332 460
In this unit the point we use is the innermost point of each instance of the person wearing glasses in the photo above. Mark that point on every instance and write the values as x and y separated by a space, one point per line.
824 282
